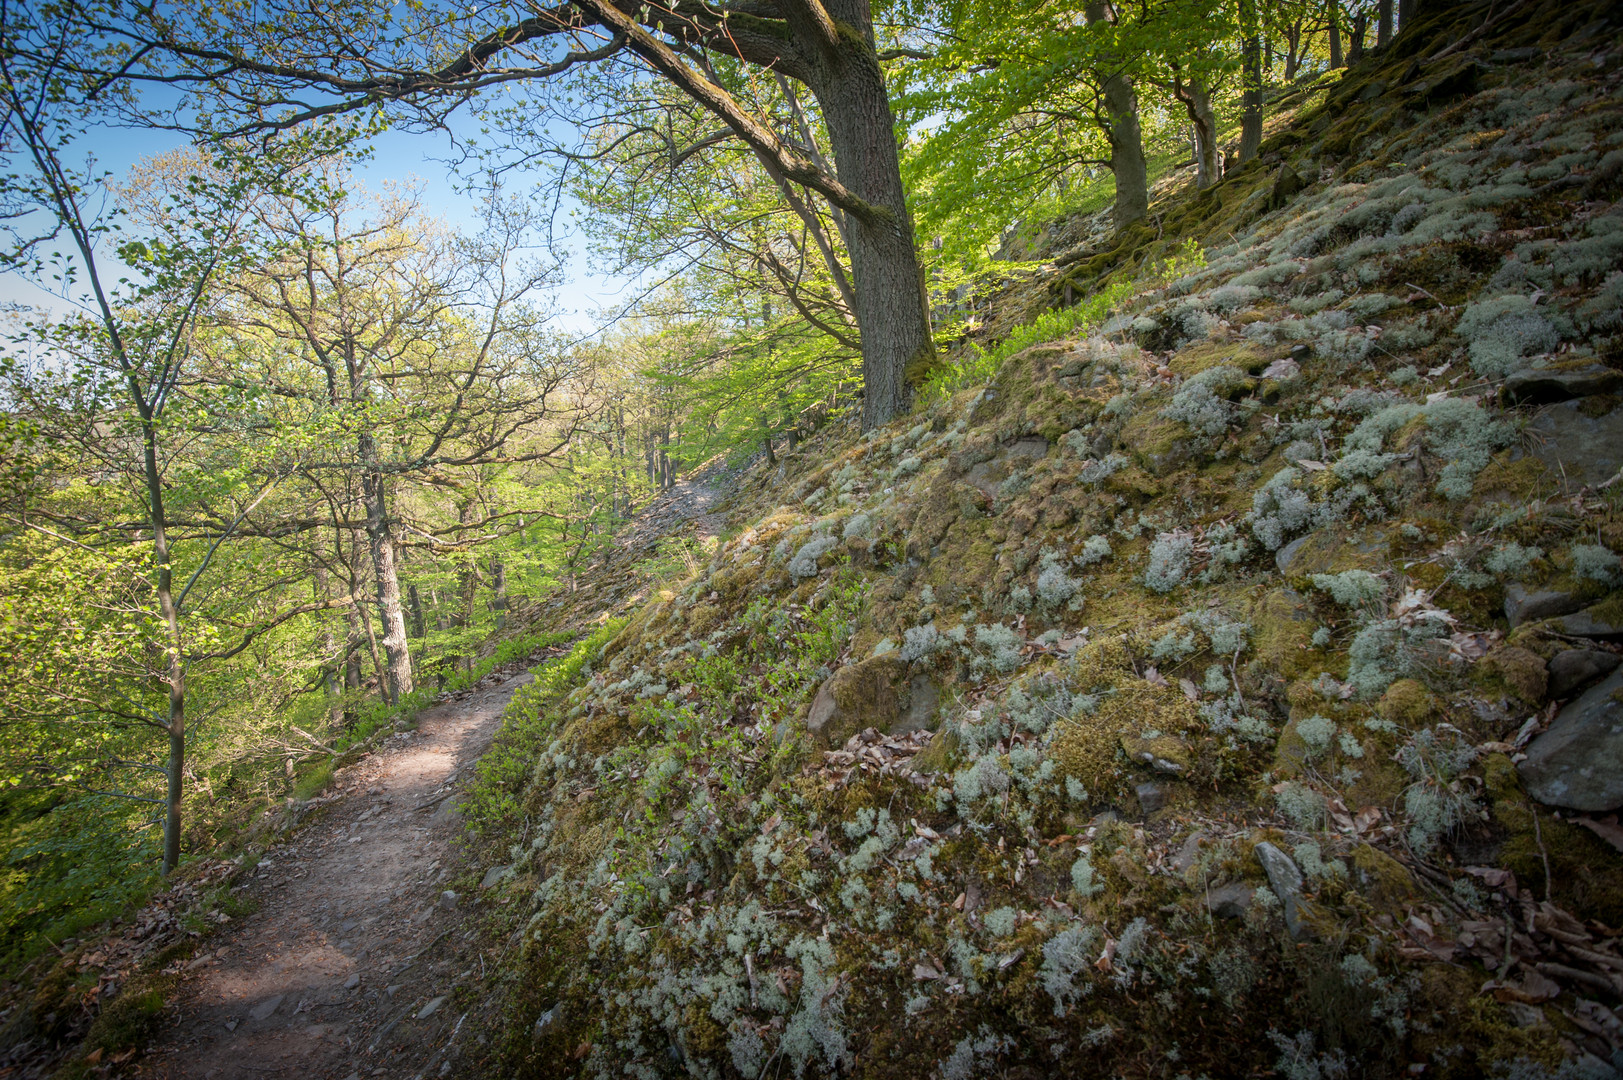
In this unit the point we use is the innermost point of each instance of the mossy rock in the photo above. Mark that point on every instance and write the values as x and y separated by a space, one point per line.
1408 703
873 693
1381 878
1515 671
1158 444
1282 625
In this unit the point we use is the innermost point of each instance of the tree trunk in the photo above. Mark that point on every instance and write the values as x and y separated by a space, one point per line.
498 591
174 677
1251 74
1127 152
1360 27
1335 34
380 537
1407 10
1383 23
771 458
893 308
1197 103
418 627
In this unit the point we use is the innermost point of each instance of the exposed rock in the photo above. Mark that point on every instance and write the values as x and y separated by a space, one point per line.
923 699
1540 385
493 877
1584 449
264 1009
547 1020
1188 853
873 693
448 900
431 1008
1286 881
1573 669
1164 753
1151 797
1590 622
1578 762
353 981
1528 605
1230 901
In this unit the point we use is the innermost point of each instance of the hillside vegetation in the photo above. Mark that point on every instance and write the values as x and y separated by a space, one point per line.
1217 688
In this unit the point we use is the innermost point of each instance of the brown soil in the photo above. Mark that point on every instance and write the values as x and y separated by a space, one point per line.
350 965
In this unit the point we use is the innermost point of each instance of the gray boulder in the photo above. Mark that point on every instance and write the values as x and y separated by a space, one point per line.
1584 449
1573 669
1537 385
1578 762
1529 605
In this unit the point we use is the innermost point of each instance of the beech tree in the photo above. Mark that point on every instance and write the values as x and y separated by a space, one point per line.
303 65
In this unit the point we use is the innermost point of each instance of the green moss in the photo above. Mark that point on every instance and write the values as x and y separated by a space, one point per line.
1408 703
1515 671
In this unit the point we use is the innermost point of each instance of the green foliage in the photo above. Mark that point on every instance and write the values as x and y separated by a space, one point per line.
978 366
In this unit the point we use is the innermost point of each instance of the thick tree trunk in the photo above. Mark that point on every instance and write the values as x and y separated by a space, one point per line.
1360 27
1197 103
1407 11
1383 23
1251 76
1336 60
771 458
892 307
397 682
1127 152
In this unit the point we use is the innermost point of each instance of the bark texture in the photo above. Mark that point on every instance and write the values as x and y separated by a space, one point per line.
397 681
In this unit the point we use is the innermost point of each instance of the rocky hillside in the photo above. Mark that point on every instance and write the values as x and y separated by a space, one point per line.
1230 689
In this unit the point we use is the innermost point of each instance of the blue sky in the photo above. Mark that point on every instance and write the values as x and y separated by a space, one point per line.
396 156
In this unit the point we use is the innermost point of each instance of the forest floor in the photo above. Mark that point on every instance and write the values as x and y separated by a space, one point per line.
348 966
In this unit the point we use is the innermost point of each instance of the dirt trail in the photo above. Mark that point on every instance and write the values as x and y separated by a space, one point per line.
348 967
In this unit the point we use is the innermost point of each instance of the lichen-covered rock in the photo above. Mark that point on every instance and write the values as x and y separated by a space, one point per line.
1578 762
1543 385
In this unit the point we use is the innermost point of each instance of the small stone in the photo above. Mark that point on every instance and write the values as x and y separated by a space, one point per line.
1578 762
1573 669
392 990
431 1008
231 1025
448 900
1526 605
353 981
1189 853
493 877
547 1020
1286 880
1230 901
1151 797
265 1008
1519 55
